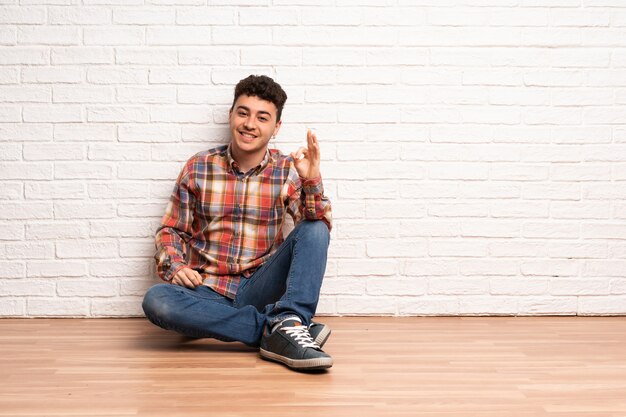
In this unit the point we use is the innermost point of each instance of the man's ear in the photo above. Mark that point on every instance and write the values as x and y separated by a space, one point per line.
277 128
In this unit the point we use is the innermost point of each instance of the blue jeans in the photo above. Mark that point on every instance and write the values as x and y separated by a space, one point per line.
288 283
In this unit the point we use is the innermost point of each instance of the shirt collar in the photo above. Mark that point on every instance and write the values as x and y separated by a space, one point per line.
234 166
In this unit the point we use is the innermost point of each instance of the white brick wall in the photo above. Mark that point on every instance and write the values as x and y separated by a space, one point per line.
475 152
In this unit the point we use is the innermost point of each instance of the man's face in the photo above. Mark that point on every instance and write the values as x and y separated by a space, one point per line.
252 124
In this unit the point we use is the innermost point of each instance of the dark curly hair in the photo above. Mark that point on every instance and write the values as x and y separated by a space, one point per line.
264 88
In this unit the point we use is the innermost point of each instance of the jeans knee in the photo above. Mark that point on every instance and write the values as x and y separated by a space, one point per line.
154 304
315 231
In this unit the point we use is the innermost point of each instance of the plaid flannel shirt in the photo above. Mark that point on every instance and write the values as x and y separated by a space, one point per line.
225 224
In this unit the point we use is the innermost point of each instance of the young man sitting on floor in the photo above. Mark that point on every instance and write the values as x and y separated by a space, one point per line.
220 246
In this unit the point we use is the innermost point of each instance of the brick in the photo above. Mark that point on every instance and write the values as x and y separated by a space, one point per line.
591 306
120 36
429 306
490 228
512 172
11 152
26 210
86 132
30 287
12 231
458 286
427 267
10 114
137 248
395 209
125 228
112 75
48 35
118 190
117 114
153 132
74 94
120 268
558 191
135 287
117 307
87 248
52 152
145 56
81 55
348 267
56 230
79 15
344 286
269 55
604 268
218 56
519 249
181 152
241 35
148 170
25 56
11 191
548 306
579 287
489 305
428 228
397 248
333 16
398 286
149 95
54 268
84 288
83 210
457 210
21 15
25 94
180 76
142 210
551 230
143 16
604 231
518 286
464 248
578 250
508 209
54 75
579 210
457 171
12 307
180 114
118 152
551 267
366 305
82 170
12 269
52 113
29 250
180 35
209 16
55 307
333 56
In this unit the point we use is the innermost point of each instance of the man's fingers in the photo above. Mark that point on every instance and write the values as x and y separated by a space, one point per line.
192 276
181 279
297 155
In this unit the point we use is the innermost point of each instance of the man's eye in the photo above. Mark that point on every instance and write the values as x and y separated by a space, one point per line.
241 113
263 119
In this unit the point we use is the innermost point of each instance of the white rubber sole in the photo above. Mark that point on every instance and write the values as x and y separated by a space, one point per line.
323 336
298 364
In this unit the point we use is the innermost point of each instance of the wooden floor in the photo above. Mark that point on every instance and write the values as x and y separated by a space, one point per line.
479 366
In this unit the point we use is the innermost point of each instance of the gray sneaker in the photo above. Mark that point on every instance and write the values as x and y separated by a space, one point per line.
319 332
292 345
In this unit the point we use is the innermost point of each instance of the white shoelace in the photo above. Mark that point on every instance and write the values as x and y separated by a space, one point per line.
301 335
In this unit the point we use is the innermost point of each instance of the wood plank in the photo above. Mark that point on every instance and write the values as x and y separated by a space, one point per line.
384 366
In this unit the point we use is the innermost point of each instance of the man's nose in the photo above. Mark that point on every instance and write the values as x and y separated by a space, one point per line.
249 123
